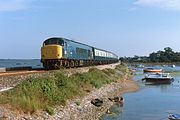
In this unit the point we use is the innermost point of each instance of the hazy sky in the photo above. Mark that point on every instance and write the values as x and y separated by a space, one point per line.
126 27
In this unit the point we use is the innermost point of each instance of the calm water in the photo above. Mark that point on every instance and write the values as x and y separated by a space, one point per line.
6 63
151 102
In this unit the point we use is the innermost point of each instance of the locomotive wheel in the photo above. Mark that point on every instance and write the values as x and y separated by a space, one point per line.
72 64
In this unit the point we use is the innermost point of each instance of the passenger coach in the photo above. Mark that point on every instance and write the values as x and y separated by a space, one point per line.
61 52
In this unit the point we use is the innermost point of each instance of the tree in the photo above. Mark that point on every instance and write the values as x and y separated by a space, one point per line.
168 55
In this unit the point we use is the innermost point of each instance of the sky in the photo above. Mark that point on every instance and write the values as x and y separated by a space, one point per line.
125 27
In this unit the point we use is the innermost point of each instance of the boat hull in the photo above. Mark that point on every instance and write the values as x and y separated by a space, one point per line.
152 71
159 80
174 116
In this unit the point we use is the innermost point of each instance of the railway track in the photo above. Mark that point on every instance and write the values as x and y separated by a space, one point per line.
21 72
10 79
17 71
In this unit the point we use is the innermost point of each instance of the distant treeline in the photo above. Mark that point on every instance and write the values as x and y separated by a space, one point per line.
167 55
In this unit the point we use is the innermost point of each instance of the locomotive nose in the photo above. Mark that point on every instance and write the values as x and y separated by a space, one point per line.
51 52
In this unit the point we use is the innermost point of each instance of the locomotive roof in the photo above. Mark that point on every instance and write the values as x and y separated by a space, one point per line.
67 40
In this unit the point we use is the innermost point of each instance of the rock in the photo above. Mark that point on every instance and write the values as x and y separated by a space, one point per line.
97 102
117 99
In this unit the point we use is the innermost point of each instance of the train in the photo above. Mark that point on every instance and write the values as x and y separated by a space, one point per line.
58 52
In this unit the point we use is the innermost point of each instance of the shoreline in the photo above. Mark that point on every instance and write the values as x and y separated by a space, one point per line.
85 110
80 108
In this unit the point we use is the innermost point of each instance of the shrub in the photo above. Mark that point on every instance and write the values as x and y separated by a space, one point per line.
50 110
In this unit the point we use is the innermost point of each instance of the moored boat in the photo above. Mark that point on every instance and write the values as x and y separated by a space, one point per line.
152 70
174 116
140 66
173 66
158 78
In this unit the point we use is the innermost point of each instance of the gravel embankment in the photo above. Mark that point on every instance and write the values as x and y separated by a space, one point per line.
11 81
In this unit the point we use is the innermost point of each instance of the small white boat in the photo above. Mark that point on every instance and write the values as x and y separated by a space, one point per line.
174 116
140 66
158 78
173 66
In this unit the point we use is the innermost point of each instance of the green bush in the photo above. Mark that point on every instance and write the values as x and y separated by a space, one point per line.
50 110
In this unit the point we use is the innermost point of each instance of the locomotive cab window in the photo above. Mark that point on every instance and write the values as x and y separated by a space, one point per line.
54 41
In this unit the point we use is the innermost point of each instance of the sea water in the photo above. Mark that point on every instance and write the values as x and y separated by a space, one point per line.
7 63
151 102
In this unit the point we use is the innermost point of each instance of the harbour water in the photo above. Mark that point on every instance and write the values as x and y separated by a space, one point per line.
151 102
7 63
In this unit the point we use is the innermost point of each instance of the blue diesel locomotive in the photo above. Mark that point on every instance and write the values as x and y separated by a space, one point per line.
60 52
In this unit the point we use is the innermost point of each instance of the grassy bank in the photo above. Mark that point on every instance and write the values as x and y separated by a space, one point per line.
56 88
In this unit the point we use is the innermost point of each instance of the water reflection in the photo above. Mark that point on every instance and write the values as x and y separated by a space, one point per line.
114 112
151 102
163 88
